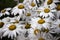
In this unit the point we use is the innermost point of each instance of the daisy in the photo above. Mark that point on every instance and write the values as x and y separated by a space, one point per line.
39 23
47 12
32 6
1 27
29 14
30 32
58 10
50 3
57 26
43 36
33 33
19 9
11 30
5 11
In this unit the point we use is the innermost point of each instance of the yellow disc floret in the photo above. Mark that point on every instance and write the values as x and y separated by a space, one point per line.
49 2
41 38
12 27
36 31
46 30
59 25
58 7
46 10
28 14
1 24
33 4
3 11
21 6
27 26
41 21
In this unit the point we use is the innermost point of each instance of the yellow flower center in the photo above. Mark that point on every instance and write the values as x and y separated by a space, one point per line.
46 30
49 2
46 10
39 12
41 21
27 26
28 14
41 38
12 27
36 31
33 4
59 25
1 24
58 8
21 6
3 11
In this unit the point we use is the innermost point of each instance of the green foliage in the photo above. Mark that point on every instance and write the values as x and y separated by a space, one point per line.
7 3
21 1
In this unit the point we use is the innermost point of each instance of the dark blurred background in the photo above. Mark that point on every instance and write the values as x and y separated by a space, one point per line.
8 3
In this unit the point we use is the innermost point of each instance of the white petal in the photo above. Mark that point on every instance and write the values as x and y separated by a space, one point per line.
6 33
7 13
46 25
8 9
18 32
14 33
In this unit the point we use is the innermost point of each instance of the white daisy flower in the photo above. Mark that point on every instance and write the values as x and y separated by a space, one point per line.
32 6
1 27
39 23
30 32
33 33
50 3
57 26
44 36
30 14
47 12
58 10
19 9
12 30
5 11
47 33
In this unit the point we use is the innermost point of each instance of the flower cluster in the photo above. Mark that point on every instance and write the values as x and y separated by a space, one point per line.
31 20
